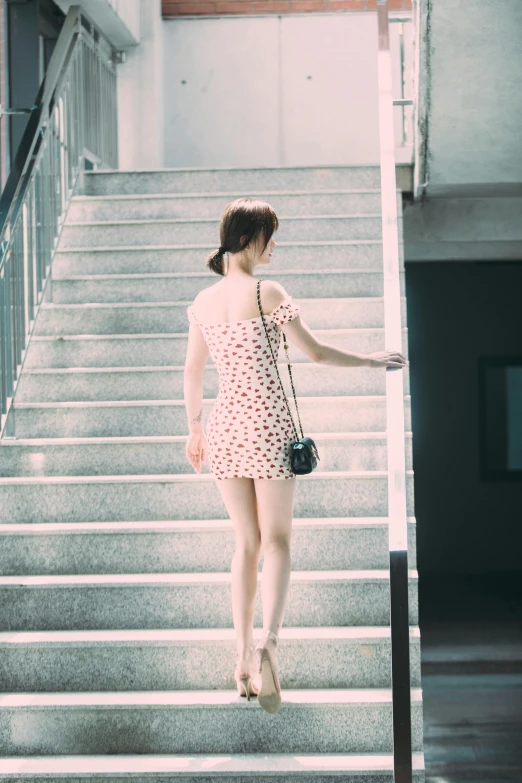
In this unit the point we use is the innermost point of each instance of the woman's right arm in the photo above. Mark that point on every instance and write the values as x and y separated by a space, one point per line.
320 352
323 353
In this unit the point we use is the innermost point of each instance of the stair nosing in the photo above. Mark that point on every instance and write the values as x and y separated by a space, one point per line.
184 525
123 336
207 247
231 193
146 439
262 169
157 478
377 575
318 697
184 303
67 638
213 220
178 764
178 403
205 274
308 363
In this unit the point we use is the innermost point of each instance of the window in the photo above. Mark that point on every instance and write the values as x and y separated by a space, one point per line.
500 418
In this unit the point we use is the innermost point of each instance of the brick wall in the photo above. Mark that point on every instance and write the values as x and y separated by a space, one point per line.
172 8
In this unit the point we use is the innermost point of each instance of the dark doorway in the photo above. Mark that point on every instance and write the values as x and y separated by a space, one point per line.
465 351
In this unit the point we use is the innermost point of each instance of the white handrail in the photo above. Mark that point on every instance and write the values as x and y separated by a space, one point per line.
392 301
397 508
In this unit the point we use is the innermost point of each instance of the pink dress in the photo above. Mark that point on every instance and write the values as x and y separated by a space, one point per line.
249 430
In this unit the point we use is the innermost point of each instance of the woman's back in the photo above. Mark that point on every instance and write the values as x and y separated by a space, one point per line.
234 300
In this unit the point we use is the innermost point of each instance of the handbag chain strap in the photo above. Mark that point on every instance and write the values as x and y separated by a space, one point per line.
277 370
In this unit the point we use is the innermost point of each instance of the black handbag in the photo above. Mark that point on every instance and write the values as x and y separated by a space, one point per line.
303 454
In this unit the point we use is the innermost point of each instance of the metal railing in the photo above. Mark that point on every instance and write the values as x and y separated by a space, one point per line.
74 120
404 73
397 507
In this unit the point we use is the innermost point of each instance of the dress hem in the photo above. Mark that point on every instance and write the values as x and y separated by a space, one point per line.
267 478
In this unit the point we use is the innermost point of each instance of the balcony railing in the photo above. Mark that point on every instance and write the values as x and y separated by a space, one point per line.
397 507
72 126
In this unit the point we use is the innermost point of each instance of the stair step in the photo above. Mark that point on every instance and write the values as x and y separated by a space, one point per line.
208 205
163 286
72 351
230 179
145 232
124 418
160 317
142 497
190 600
66 384
260 768
340 720
164 453
326 543
53 661
119 639
190 257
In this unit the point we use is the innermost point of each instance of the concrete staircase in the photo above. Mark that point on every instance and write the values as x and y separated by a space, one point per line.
117 643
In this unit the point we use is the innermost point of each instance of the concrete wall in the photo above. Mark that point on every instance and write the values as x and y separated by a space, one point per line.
129 12
140 95
119 19
471 72
272 90
462 229
476 105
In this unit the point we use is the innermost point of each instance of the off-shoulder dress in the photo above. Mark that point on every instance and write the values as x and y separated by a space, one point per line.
249 430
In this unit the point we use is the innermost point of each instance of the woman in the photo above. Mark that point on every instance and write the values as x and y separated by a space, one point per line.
249 428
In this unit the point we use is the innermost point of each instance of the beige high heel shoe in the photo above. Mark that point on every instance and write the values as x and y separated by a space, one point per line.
269 688
245 682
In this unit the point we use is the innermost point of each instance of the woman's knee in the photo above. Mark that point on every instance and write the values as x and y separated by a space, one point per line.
240 501
275 511
276 542
248 547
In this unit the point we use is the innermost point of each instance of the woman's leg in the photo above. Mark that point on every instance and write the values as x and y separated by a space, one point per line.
275 502
240 501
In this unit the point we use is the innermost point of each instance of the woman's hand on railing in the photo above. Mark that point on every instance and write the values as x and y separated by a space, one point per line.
392 359
196 449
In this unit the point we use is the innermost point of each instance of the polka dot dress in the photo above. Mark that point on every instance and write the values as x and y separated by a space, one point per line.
249 430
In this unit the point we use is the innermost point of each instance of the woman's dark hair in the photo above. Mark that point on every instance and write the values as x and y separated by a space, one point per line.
244 217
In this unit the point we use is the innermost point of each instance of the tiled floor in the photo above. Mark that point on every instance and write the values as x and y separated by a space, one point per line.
471 631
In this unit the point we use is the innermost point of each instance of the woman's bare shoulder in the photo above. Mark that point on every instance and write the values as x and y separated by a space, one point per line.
273 294
206 293
208 299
